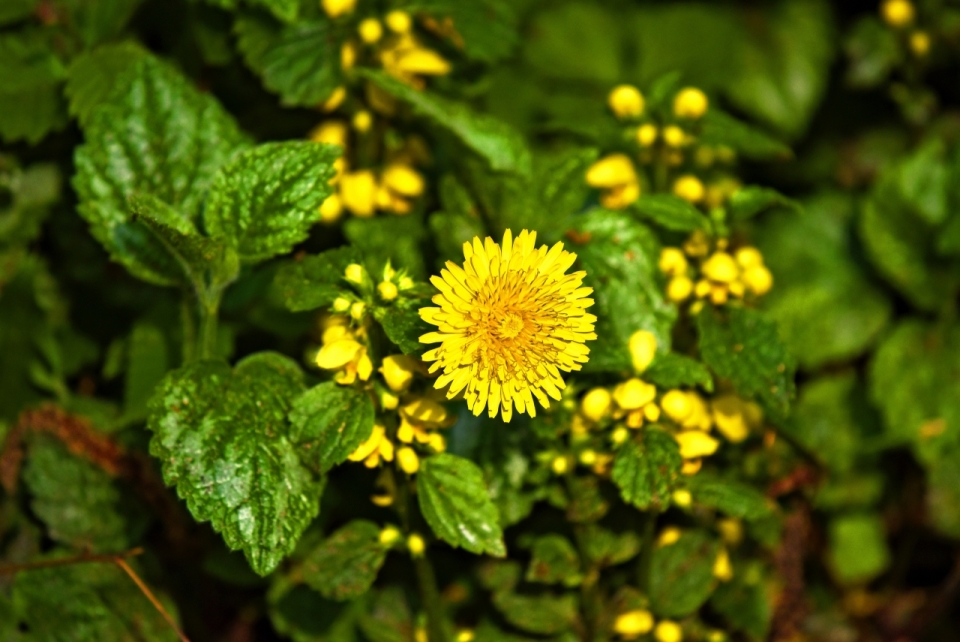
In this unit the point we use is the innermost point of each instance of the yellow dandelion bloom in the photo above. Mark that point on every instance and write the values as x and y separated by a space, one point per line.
510 320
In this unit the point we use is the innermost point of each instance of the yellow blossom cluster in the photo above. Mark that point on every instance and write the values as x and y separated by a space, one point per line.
632 624
722 275
344 350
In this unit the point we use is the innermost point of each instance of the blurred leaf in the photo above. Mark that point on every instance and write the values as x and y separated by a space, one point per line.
502 147
751 200
488 27
31 192
606 548
403 325
99 21
329 422
943 493
670 212
873 52
453 499
147 363
681 574
265 200
554 561
315 281
224 442
346 564
14 10
620 257
745 602
646 469
673 370
451 230
396 238
300 613
31 114
742 345
596 31
543 614
923 180
388 618
857 548
825 421
586 502
720 129
732 498
95 75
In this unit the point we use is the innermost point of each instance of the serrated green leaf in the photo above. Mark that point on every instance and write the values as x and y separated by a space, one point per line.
454 501
300 62
94 76
857 548
670 212
732 498
266 199
81 505
223 439
502 147
672 370
31 114
346 564
743 346
82 602
328 422
646 469
721 129
751 200
620 258
403 325
543 614
681 574
162 138
315 281
96 22
554 561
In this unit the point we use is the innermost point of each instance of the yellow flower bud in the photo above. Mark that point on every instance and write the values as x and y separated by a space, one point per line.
336 355
682 497
337 96
617 198
588 457
331 209
731 530
668 631
388 291
408 460
651 412
920 43
677 405
674 136
758 279
625 101
748 257
634 419
465 635
416 545
668 536
389 401
399 21
364 366
691 467
357 310
722 569
611 171
341 304
437 442
404 180
359 191
389 535
633 624
689 188
719 294
366 449
620 435
634 393
721 268
370 30
348 56
728 417
362 121
423 61
695 444
596 404
647 134
559 465
337 8
643 348
425 411
897 13
398 371
405 283
354 273
672 261
679 289
690 103
702 288
331 132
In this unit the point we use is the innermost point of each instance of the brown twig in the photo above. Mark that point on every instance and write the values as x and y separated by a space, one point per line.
12 569
119 561
790 609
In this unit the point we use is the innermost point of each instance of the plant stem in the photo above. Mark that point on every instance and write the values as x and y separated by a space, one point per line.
189 329
646 552
209 313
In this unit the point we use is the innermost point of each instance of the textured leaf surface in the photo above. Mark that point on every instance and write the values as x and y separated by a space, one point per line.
745 348
732 498
316 281
672 370
160 137
453 499
606 548
543 614
266 199
645 470
346 564
554 561
224 441
329 422
95 75
681 574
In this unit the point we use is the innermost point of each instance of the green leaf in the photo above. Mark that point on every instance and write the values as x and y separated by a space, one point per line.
398 239
943 493
620 258
159 137
80 602
28 61
346 564
606 548
744 601
827 420
147 363
31 192
672 370
488 27
721 129
224 441
923 180
453 499
743 346
503 147
647 468
451 230
543 614
15 10
81 505
388 618
858 549
681 574
586 502
873 52
96 22
300 62
266 199
31 114
315 282
670 212
732 498
403 325
329 421
94 76
751 200
596 58
554 561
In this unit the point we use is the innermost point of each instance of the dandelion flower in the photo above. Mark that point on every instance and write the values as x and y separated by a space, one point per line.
510 320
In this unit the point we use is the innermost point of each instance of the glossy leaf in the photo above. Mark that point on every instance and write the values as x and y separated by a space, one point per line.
646 469
328 422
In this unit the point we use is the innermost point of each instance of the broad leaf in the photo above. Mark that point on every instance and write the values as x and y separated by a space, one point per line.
94 76
316 281
681 574
672 370
554 561
543 614
670 212
646 469
749 201
732 498
328 422
346 564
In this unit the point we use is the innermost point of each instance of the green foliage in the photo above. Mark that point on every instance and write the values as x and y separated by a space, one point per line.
744 602
554 561
672 370
732 498
541 614
315 281
346 563
329 422
681 574
670 212
224 441
858 548
647 468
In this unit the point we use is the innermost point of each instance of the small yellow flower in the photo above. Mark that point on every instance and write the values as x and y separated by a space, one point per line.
897 13
348 56
331 132
677 405
354 273
721 268
398 371
596 404
674 136
336 98
358 191
510 320
697 244
388 291
341 304
691 467
748 257
647 134
731 530
588 457
729 417
336 355
695 444
618 198
668 631
337 8
611 171
362 121
331 209
389 535
404 180
669 535
920 43
722 569
465 635
389 401
689 188
625 101
370 30
408 460
634 394
620 435
633 624
399 21
758 279
357 310
415 544
672 262
679 289
373 449
643 349
690 103
559 465
682 497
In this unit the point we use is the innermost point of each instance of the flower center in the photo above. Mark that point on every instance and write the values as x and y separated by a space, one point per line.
511 326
